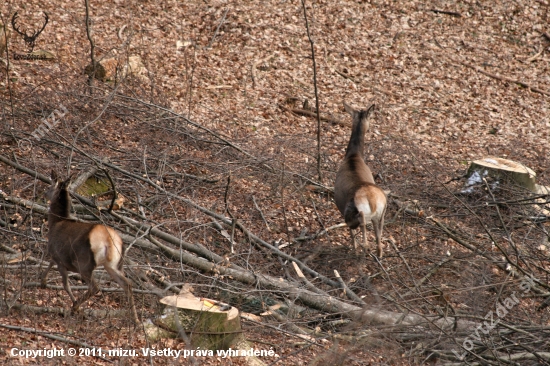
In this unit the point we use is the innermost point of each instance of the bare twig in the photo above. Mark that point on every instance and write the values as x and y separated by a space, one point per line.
306 282
234 223
504 227
347 290
226 195
320 233
261 213
320 176
92 47
283 208
115 193
218 28
431 272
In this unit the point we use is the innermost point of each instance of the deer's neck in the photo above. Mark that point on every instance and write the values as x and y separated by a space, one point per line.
60 208
356 143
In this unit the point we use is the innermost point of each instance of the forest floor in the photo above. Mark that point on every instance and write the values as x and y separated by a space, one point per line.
221 112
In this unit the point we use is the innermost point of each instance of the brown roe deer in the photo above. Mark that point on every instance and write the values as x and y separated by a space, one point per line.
357 197
80 247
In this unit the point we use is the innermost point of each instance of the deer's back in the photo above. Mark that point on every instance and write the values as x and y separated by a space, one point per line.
352 175
69 244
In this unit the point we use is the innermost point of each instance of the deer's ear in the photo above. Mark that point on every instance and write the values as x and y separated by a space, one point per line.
371 108
67 181
349 109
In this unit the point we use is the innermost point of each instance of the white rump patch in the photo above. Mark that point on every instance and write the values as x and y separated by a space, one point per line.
365 208
362 204
105 245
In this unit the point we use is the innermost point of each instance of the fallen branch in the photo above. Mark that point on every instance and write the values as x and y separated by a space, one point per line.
305 112
451 13
26 170
298 331
226 221
347 290
306 282
193 248
506 79
222 269
27 257
102 289
318 234
93 313
310 298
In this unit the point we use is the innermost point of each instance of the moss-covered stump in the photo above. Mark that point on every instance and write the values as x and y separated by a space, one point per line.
94 186
206 323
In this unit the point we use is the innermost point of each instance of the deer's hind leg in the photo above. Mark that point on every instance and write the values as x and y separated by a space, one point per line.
65 279
123 282
93 288
363 224
45 274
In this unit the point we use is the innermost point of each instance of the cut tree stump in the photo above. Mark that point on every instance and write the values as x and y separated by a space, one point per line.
502 170
113 69
204 323
506 171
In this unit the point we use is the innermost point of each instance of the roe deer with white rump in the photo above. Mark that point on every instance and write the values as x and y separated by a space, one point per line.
80 247
357 197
